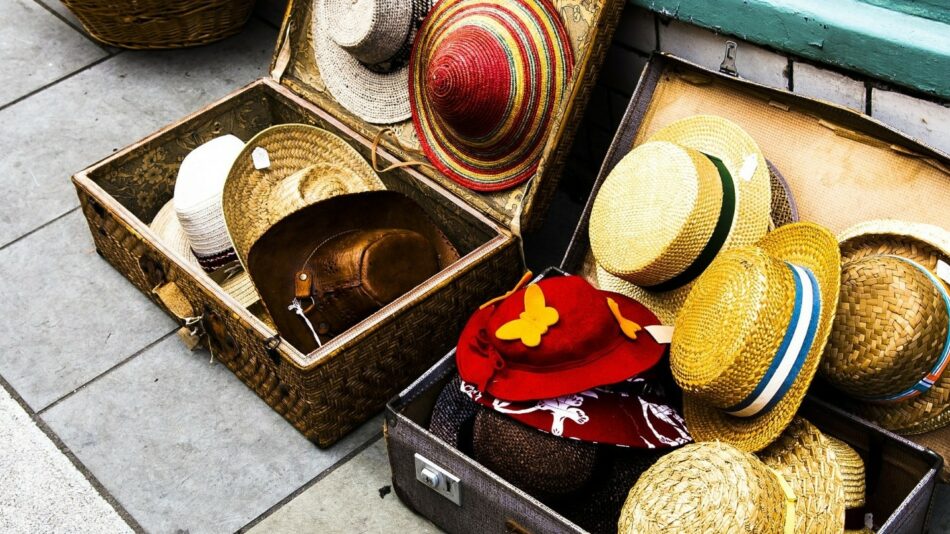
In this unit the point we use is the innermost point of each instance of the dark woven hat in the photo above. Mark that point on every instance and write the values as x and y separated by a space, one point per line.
453 416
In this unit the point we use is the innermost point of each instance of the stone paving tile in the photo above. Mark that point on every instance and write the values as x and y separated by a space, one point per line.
36 48
69 316
183 445
113 104
40 489
356 497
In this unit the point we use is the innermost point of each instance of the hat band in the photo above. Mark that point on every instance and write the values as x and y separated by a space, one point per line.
943 360
213 262
716 240
791 354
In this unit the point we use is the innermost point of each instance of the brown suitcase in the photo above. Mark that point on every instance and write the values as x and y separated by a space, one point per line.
330 391
901 475
841 166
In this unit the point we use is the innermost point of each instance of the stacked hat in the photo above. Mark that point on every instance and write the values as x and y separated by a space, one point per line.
198 200
696 188
318 269
749 338
890 345
795 485
487 79
362 48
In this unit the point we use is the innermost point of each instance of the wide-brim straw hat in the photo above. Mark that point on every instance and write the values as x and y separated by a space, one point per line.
890 346
696 188
708 487
852 473
362 49
307 165
749 338
197 200
487 77
808 461
169 231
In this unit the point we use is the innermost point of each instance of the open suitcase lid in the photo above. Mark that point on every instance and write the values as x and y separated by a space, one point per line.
521 207
842 167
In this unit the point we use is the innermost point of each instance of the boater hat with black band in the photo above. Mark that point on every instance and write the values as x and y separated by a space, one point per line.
487 78
748 340
890 346
362 49
696 188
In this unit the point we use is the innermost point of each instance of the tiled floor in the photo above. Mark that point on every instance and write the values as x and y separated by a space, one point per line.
107 424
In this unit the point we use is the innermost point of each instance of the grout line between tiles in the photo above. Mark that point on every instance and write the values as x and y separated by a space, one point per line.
104 373
70 23
19 99
320 476
37 229
73 459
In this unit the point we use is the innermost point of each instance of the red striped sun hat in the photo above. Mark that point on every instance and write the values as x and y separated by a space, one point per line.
486 79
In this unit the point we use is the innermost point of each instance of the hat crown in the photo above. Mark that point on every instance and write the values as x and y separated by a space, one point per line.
732 325
656 212
689 489
890 327
372 31
453 82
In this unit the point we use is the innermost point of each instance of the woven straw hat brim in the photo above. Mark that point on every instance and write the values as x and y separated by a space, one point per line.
705 487
852 472
666 305
807 461
168 229
378 98
253 199
815 248
925 244
531 46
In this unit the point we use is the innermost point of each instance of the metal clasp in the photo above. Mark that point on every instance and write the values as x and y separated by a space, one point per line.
439 480
728 65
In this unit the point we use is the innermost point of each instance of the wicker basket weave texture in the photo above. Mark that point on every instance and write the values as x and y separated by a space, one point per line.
151 24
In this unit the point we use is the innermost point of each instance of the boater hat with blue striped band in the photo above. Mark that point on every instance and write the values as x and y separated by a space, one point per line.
890 346
748 339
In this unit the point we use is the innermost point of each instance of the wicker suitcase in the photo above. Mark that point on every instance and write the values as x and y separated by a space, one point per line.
330 391
861 159
900 474
863 170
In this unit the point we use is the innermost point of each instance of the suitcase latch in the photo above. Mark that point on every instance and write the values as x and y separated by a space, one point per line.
728 65
439 480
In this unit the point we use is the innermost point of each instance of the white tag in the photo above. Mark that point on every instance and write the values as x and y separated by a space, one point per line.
749 166
661 333
869 520
261 158
943 271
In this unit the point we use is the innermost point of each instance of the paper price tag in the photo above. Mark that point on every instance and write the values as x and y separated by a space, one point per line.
943 271
261 158
661 333
749 166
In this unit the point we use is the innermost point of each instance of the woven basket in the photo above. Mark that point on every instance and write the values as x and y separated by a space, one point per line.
143 24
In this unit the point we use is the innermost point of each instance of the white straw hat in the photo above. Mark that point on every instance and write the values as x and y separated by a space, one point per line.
198 200
363 48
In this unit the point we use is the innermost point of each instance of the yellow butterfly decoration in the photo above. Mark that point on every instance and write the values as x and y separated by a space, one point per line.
628 327
533 321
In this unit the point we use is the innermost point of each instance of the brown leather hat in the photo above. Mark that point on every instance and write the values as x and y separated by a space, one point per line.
326 267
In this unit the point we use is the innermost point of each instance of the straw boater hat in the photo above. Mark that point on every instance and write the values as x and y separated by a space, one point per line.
362 49
709 487
749 337
890 346
198 200
168 229
696 188
487 78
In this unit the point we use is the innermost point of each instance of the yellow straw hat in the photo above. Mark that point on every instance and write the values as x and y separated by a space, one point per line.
709 487
807 460
890 345
696 188
852 472
169 230
304 165
749 337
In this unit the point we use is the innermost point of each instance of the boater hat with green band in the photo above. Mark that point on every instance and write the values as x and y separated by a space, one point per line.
696 188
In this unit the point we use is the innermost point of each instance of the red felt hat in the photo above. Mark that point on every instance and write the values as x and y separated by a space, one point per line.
557 337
